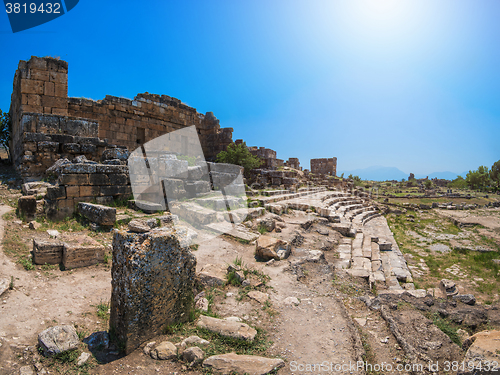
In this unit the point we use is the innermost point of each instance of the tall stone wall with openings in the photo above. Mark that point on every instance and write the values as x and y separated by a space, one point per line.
327 166
41 88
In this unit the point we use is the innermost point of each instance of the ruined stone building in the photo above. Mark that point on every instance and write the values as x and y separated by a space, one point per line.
48 125
268 156
293 163
326 166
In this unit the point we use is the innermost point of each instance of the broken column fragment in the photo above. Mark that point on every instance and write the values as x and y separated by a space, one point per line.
153 277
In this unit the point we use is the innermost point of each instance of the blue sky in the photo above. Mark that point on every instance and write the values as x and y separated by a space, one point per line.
413 84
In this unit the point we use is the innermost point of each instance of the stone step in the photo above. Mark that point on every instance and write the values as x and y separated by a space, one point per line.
361 263
377 266
356 272
357 245
367 247
375 251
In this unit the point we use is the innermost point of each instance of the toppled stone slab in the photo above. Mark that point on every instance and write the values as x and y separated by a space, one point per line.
147 207
35 188
47 251
81 251
153 277
468 299
138 226
193 340
226 328
97 213
242 364
268 247
58 339
236 231
212 275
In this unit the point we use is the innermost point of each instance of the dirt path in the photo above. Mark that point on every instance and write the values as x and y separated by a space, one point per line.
41 299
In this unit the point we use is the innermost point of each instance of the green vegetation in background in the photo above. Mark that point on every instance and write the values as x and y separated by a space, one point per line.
239 155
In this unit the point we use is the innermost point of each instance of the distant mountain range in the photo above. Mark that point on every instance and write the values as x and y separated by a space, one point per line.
379 173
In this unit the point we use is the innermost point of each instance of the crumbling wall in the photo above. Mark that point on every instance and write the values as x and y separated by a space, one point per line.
268 157
153 277
41 87
293 163
326 166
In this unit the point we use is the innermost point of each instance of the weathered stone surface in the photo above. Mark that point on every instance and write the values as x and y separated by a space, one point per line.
153 278
267 248
35 225
26 370
57 166
81 251
483 346
97 213
138 226
47 251
27 205
242 364
79 168
58 339
97 340
165 350
212 275
258 296
56 192
193 355
115 153
468 299
202 304
291 301
226 328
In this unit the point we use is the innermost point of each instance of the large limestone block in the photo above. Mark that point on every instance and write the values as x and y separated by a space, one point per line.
58 339
153 277
227 328
213 275
268 247
27 205
97 213
242 364
47 251
80 251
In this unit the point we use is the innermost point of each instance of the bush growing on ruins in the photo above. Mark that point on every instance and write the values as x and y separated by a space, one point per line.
428 184
458 183
495 174
478 179
5 130
239 155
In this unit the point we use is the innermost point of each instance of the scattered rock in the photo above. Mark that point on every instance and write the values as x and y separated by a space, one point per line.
58 339
258 296
53 233
26 370
226 328
360 321
193 355
268 247
202 304
4 285
463 334
165 350
268 223
148 347
34 225
242 364
83 358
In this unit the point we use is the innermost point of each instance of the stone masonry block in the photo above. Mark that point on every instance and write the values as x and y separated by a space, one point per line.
99 179
81 251
48 146
98 214
119 179
153 278
56 192
116 190
108 169
73 191
90 191
47 251
74 179
88 149
27 205
71 148
78 168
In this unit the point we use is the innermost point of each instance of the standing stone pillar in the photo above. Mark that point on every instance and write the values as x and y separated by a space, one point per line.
153 277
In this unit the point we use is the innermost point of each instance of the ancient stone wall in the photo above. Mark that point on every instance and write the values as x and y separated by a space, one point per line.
293 163
41 88
267 155
326 166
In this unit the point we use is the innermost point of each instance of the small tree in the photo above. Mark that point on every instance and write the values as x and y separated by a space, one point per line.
479 179
458 183
239 155
495 174
428 184
5 131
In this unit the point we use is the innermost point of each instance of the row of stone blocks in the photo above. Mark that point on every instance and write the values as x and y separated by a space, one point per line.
74 252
